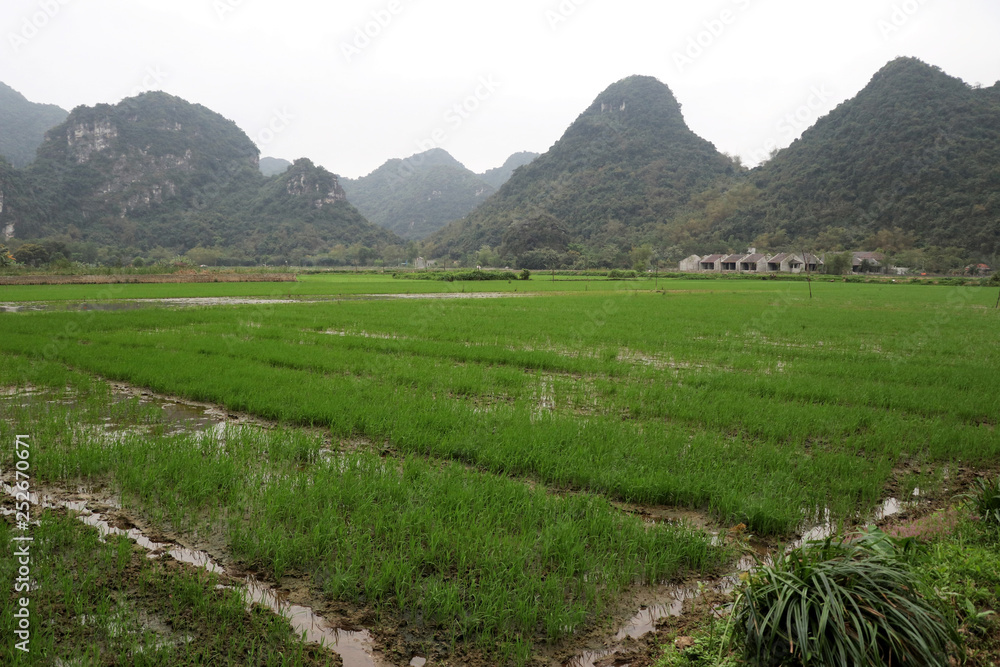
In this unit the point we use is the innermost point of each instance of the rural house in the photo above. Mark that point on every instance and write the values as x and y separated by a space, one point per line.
867 262
778 263
711 263
690 264
732 263
754 263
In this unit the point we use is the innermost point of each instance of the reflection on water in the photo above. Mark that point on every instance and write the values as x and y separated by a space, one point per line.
354 647
193 302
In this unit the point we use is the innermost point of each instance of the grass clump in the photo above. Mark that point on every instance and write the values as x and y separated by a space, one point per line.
842 603
984 500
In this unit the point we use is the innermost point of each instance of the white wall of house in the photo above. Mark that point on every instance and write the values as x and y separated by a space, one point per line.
689 264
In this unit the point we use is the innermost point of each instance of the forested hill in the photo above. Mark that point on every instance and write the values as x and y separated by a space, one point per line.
157 171
497 176
154 154
625 165
912 160
419 195
23 125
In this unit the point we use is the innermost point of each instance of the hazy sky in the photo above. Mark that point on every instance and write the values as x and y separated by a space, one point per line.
351 84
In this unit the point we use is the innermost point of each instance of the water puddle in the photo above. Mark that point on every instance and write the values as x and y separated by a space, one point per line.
456 295
353 646
672 604
178 416
136 304
356 647
827 527
197 302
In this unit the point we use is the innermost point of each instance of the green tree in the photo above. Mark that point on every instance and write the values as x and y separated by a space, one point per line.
838 264
640 257
32 254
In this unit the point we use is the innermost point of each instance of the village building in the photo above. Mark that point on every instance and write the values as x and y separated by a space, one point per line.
778 263
711 263
690 264
754 263
732 263
812 263
978 270
867 262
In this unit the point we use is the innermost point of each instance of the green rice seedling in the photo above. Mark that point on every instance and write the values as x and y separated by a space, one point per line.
741 400
841 603
104 602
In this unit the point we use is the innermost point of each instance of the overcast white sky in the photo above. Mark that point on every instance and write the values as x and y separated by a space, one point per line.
300 78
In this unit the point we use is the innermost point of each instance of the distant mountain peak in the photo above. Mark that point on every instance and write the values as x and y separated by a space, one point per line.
911 77
272 166
640 98
625 165
498 176
417 195
23 125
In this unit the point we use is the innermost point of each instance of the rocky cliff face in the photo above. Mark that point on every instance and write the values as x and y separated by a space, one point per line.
7 222
157 171
8 227
145 154
305 179
86 138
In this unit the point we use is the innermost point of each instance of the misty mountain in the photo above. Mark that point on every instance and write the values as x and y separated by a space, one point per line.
272 166
418 195
625 165
157 171
500 175
23 125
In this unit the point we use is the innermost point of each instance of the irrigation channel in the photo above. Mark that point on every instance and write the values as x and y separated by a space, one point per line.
358 648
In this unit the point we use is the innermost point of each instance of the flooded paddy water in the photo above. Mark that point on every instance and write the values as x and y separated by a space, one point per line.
200 302
102 511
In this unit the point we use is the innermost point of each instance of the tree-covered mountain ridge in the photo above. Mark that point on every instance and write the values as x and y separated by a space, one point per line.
910 165
911 162
625 164
416 196
23 125
157 173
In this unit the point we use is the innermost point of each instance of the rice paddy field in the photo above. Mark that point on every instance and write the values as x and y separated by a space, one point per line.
472 478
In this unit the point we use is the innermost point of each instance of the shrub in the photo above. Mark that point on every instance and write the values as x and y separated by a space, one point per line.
841 603
452 276
622 274
984 500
